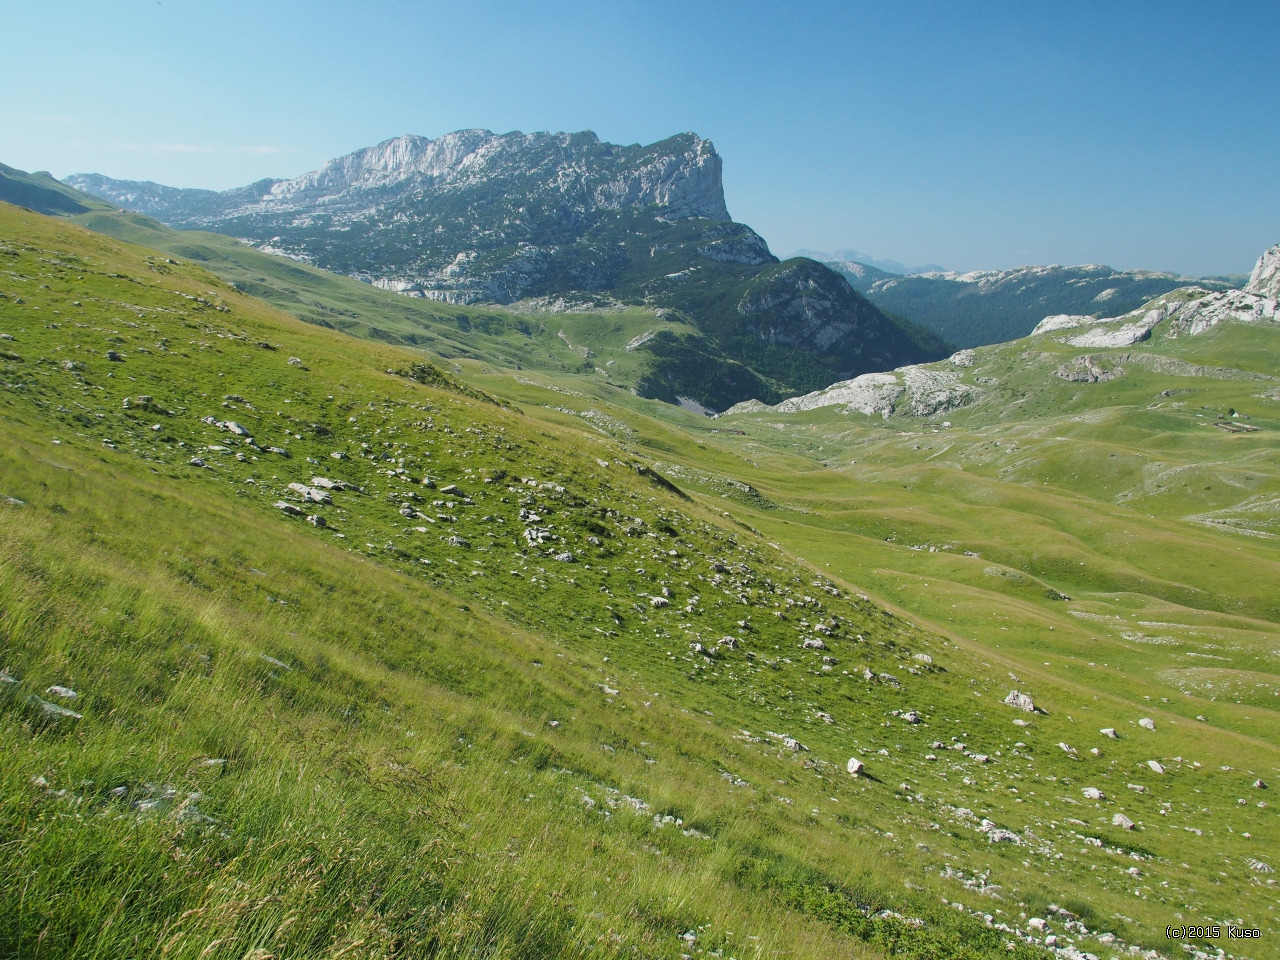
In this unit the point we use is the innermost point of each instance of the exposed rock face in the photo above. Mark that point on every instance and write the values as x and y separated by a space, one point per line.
681 176
1232 306
1089 369
1265 279
1189 312
1110 332
475 216
915 391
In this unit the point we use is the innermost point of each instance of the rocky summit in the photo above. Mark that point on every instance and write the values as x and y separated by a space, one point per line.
475 217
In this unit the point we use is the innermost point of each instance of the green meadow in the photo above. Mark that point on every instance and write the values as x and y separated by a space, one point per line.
399 629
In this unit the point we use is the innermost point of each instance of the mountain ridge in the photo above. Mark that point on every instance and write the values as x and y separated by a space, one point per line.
924 391
476 217
980 307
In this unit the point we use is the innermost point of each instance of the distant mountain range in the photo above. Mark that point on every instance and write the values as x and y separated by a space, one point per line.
865 259
573 222
1071 349
993 306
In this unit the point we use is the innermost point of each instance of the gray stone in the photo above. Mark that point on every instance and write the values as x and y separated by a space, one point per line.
53 710
1020 701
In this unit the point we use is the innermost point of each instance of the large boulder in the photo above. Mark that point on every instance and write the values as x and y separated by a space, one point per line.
1020 701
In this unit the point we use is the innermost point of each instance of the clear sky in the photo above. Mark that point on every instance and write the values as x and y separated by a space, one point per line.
968 134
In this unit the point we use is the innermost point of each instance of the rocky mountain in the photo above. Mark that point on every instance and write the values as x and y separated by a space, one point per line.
479 217
992 306
1186 312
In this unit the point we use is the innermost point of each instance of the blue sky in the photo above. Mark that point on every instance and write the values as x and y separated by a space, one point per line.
963 133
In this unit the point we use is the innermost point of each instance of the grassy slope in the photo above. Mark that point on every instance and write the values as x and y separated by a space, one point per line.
376 797
1059 489
384 744
594 343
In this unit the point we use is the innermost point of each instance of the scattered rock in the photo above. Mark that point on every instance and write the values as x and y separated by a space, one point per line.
1121 821
912 717
1137 787
1110 732
66 693
813 643
1259 785
115 357
317 521
274 662
566 557
1093 793
288 508
195 462
1067 748
1147 723
1020 701
854 766
1155 766
52 709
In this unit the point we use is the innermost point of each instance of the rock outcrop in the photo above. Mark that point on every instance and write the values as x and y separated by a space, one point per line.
914 391
1265 279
